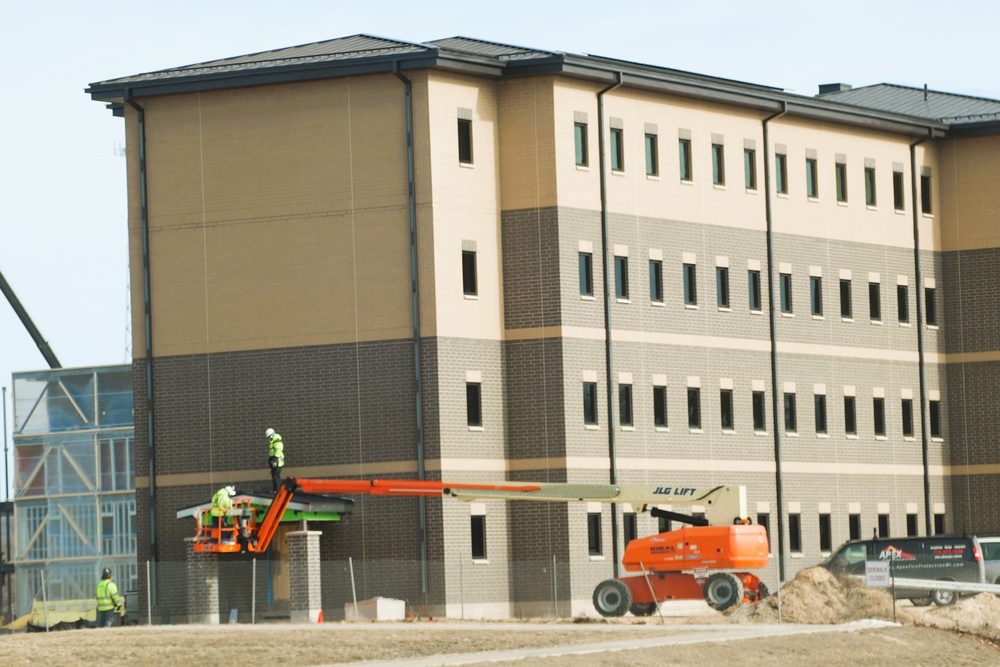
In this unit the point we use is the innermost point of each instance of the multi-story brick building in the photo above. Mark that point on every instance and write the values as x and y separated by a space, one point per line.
467 260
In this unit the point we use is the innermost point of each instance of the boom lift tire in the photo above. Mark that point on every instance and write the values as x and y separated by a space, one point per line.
640 609
612 598
723 590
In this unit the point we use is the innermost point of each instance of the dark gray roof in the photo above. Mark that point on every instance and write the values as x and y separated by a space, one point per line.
489 49
945 107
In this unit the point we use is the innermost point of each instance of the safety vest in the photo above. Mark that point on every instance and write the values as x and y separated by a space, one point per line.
277 449
107 595
221 502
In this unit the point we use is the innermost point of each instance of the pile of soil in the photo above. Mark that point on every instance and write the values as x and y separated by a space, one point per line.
979 615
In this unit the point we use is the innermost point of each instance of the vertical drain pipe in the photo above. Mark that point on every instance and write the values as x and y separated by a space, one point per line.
415 293
148 322
607 314
924 446
774 341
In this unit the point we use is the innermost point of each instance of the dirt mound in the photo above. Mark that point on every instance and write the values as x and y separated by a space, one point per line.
979 614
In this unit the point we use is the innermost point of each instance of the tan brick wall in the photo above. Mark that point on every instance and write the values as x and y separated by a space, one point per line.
969 200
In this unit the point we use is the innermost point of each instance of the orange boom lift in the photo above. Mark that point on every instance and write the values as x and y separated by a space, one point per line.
670 566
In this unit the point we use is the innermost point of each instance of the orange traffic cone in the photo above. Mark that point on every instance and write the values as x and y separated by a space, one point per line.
320 619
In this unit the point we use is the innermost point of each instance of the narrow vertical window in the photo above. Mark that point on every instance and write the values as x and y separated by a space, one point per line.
840 171
621 277
930 310
764 521
630 527
925 194
790 417
907 407
464 141
469 285
594 533
662 524
722 286
870 198
875 301
718 165
684 153
690 286
939 526
590 403
878 407
911 525
898 197
934 408
812 178
759 418
726 405
854 526
819 402
846 311
694 407
903 303
660 407
652 157
580 140
478 537
656 281
750 168
825 533
625 404
785 292
754 289
781 173
617 149
816 295
850 416
795 533
473 404
586 274
883 525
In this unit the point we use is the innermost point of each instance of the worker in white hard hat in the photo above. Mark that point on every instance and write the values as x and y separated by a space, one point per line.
222 502
275 457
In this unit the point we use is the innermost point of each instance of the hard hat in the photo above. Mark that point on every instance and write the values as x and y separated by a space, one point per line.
268 433
231 490
106 574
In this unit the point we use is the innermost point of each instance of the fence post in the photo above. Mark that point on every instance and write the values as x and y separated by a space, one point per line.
149 598
354 590
555 590
461 586
45 603
253 595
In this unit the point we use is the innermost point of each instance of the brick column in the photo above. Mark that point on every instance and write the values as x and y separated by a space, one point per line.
202 586
305 587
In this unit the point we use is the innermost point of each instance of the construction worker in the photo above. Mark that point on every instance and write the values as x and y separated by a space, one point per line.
108 600
275 457
222 502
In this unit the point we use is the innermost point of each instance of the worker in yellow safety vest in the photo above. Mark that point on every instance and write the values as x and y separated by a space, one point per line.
108 600
275 457
222 502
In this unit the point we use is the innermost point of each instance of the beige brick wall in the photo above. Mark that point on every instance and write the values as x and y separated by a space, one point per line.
969 202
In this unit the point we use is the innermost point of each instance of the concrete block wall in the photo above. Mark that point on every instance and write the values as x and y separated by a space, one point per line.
306 585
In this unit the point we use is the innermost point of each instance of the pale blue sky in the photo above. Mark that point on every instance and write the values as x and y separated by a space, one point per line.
62 183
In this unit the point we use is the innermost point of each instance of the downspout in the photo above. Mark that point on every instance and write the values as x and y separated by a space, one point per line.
780 518
415 298
924 447
607 314
148 319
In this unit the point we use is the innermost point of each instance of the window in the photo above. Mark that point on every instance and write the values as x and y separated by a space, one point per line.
759 420
652 159
816 295
594 533
684 151
911 525
875 301
785 292
846 311
750 168
939 524
934 408
617 149
690 287
469 286
722 286
694 407
630 528
590 403
883 525
878 406
812 178
660 407
464 141
930 312
580 139
781 173
850 416
840 171
656 281
819 402
907 410
795 533
718 165
478 537
662 524
625 404
621 277
870 199
726 404
925 194
902 303
898 200
473 404
854 526
764 520
754 289
586 274
825 533
790 424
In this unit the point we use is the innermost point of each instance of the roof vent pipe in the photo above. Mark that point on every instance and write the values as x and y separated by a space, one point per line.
827 88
